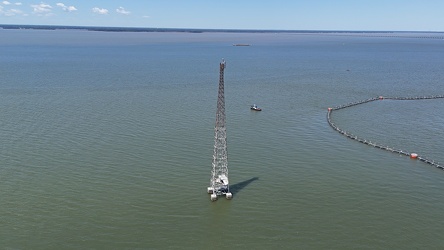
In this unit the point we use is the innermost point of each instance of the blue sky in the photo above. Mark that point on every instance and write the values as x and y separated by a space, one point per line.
399 15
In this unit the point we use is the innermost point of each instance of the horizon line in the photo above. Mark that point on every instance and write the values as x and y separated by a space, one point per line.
191 30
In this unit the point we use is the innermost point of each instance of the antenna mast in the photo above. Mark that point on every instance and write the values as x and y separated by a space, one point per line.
219 184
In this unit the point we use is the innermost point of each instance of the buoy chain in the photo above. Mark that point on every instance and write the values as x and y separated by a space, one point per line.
414 98
376 145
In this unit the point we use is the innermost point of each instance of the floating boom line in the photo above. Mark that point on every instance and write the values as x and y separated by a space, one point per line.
377 145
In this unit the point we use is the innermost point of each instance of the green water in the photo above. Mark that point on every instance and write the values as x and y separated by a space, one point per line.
107 141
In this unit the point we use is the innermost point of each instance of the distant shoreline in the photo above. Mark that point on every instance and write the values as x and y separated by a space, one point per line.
135 29
383 34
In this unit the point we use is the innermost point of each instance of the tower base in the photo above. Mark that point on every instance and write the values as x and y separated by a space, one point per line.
213 197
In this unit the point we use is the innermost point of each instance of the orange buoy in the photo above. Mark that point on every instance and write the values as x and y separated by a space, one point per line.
413 156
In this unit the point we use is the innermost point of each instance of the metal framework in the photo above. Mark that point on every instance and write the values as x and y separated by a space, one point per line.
219 184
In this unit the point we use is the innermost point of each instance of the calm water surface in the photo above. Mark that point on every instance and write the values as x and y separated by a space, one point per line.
107 140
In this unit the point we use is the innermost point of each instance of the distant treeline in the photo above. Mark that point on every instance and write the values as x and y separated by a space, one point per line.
138 29
131 29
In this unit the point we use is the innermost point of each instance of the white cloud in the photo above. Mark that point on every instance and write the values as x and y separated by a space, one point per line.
41 8
100 11
18 3
6 3
122 10
13 12
10 12
66 8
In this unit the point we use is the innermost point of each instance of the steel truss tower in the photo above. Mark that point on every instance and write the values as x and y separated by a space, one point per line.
219 184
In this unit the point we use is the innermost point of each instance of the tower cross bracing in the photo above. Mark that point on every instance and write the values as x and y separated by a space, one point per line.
219 184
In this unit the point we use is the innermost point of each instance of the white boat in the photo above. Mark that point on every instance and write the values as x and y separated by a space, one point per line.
255 107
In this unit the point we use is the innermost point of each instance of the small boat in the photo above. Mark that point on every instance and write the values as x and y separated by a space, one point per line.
255 107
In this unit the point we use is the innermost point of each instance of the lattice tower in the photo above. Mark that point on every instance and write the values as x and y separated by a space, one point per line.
219 184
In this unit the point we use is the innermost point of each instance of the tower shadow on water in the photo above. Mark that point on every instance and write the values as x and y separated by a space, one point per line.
236 188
